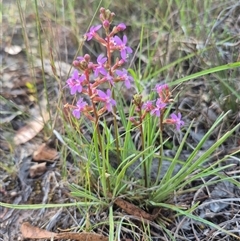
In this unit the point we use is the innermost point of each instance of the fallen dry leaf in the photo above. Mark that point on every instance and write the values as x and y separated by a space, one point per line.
13 50
31 232
37 170
134 210
82 236
30 130
45 153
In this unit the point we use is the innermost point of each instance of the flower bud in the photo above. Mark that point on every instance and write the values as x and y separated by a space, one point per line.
101 16
87 57
137 99
121 27
132 119
106 14
106 24
76 64
134 122
111 17
82 62
102 10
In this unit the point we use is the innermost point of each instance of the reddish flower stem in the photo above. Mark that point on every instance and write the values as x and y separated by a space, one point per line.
113 96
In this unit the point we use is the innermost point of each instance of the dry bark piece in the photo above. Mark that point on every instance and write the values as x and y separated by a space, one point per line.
45 153
37 170
134 210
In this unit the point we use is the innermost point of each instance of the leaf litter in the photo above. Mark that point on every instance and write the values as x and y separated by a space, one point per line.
32 128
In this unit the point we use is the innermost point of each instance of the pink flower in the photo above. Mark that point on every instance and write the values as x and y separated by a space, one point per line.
107 99
160 87
148 106
109 78
121 44
79 108
121 27
92 32
100 67
75 82
176 120
124 77
159 106
163 92
80 58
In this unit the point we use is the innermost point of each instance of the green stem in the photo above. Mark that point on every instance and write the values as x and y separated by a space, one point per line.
116 132
96 119
143 147
42 64
161 146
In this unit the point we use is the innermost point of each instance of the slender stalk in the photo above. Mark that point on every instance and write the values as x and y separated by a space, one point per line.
96 124
114 108
96 119
143 147
42 64
137 100
29 55
116 132
161 145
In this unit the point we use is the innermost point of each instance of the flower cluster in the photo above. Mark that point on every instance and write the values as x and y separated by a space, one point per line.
103 70
157 108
